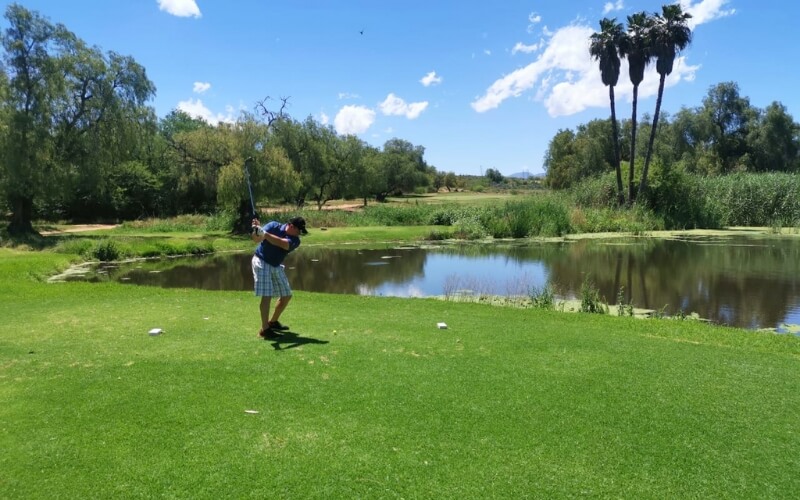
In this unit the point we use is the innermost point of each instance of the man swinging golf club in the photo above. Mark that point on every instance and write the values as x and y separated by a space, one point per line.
275 241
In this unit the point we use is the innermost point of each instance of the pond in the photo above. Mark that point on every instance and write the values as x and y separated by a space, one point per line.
738 281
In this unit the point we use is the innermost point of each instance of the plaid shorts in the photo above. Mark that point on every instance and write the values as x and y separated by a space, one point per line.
270 281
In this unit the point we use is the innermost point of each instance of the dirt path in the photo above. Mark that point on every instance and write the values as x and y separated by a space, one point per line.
78 228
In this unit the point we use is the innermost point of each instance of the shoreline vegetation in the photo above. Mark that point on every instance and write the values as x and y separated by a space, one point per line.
197 235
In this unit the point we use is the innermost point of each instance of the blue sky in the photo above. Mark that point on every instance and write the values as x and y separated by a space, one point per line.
479 84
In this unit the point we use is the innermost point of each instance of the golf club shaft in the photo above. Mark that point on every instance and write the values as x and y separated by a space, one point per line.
249 186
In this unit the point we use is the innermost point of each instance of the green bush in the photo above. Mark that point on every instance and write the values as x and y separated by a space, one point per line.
221 221
598 192
413 215
678 197
439 235
544 297
182 223
135 190
81 246
447 215
533 216
173 248
497 227
469 228
591 302
106 251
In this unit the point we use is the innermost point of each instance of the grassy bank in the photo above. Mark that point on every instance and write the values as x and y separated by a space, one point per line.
368 399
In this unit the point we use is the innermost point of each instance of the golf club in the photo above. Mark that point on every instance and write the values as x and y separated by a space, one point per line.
249 186
250 190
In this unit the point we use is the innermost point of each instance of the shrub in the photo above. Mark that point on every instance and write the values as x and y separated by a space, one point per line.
469 229
81 246
678 197
498 227
181 223
135 191
598 191
591 301
447 215
439 235
544 297
106 251
221 221
623 308
534 216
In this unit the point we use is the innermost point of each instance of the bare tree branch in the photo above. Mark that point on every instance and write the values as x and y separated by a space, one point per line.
269 115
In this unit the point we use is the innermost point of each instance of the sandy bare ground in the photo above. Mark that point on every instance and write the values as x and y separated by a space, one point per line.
312 206
78 228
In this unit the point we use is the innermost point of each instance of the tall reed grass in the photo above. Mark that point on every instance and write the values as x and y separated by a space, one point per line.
677 199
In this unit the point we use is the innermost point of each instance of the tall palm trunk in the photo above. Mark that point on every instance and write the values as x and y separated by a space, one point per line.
614 130
631 190
643 183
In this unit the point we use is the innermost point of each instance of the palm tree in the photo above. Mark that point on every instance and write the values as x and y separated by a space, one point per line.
669 34
604 47
635 46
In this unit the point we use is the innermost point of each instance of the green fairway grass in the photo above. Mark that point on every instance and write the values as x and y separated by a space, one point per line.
367 398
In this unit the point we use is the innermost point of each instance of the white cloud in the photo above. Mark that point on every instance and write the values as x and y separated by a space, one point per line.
431 79
567 80
352 120
180 8
197 109
394 105
347 95
566 50
525 49
611 6
533 19
201 87
487 52
705 11
323 118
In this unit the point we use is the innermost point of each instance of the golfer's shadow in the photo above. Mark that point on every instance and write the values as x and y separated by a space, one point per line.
290 340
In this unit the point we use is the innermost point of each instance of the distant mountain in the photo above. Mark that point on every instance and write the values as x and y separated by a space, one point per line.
528 175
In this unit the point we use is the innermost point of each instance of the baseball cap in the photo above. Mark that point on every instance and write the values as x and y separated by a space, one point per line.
299 223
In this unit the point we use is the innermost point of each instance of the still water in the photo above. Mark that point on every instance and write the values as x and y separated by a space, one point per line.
738 281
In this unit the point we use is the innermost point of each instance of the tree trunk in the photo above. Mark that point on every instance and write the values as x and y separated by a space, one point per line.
620 192
631 190
21 215
643 183
244 221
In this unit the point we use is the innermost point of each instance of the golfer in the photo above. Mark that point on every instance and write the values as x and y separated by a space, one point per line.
275 241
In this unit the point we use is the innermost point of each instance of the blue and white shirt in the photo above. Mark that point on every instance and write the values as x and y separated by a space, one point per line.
271 254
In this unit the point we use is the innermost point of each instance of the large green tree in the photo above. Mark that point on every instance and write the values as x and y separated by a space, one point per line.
774 143
604 47
669 34
70 112
403 168
730 118
635 46
561 160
